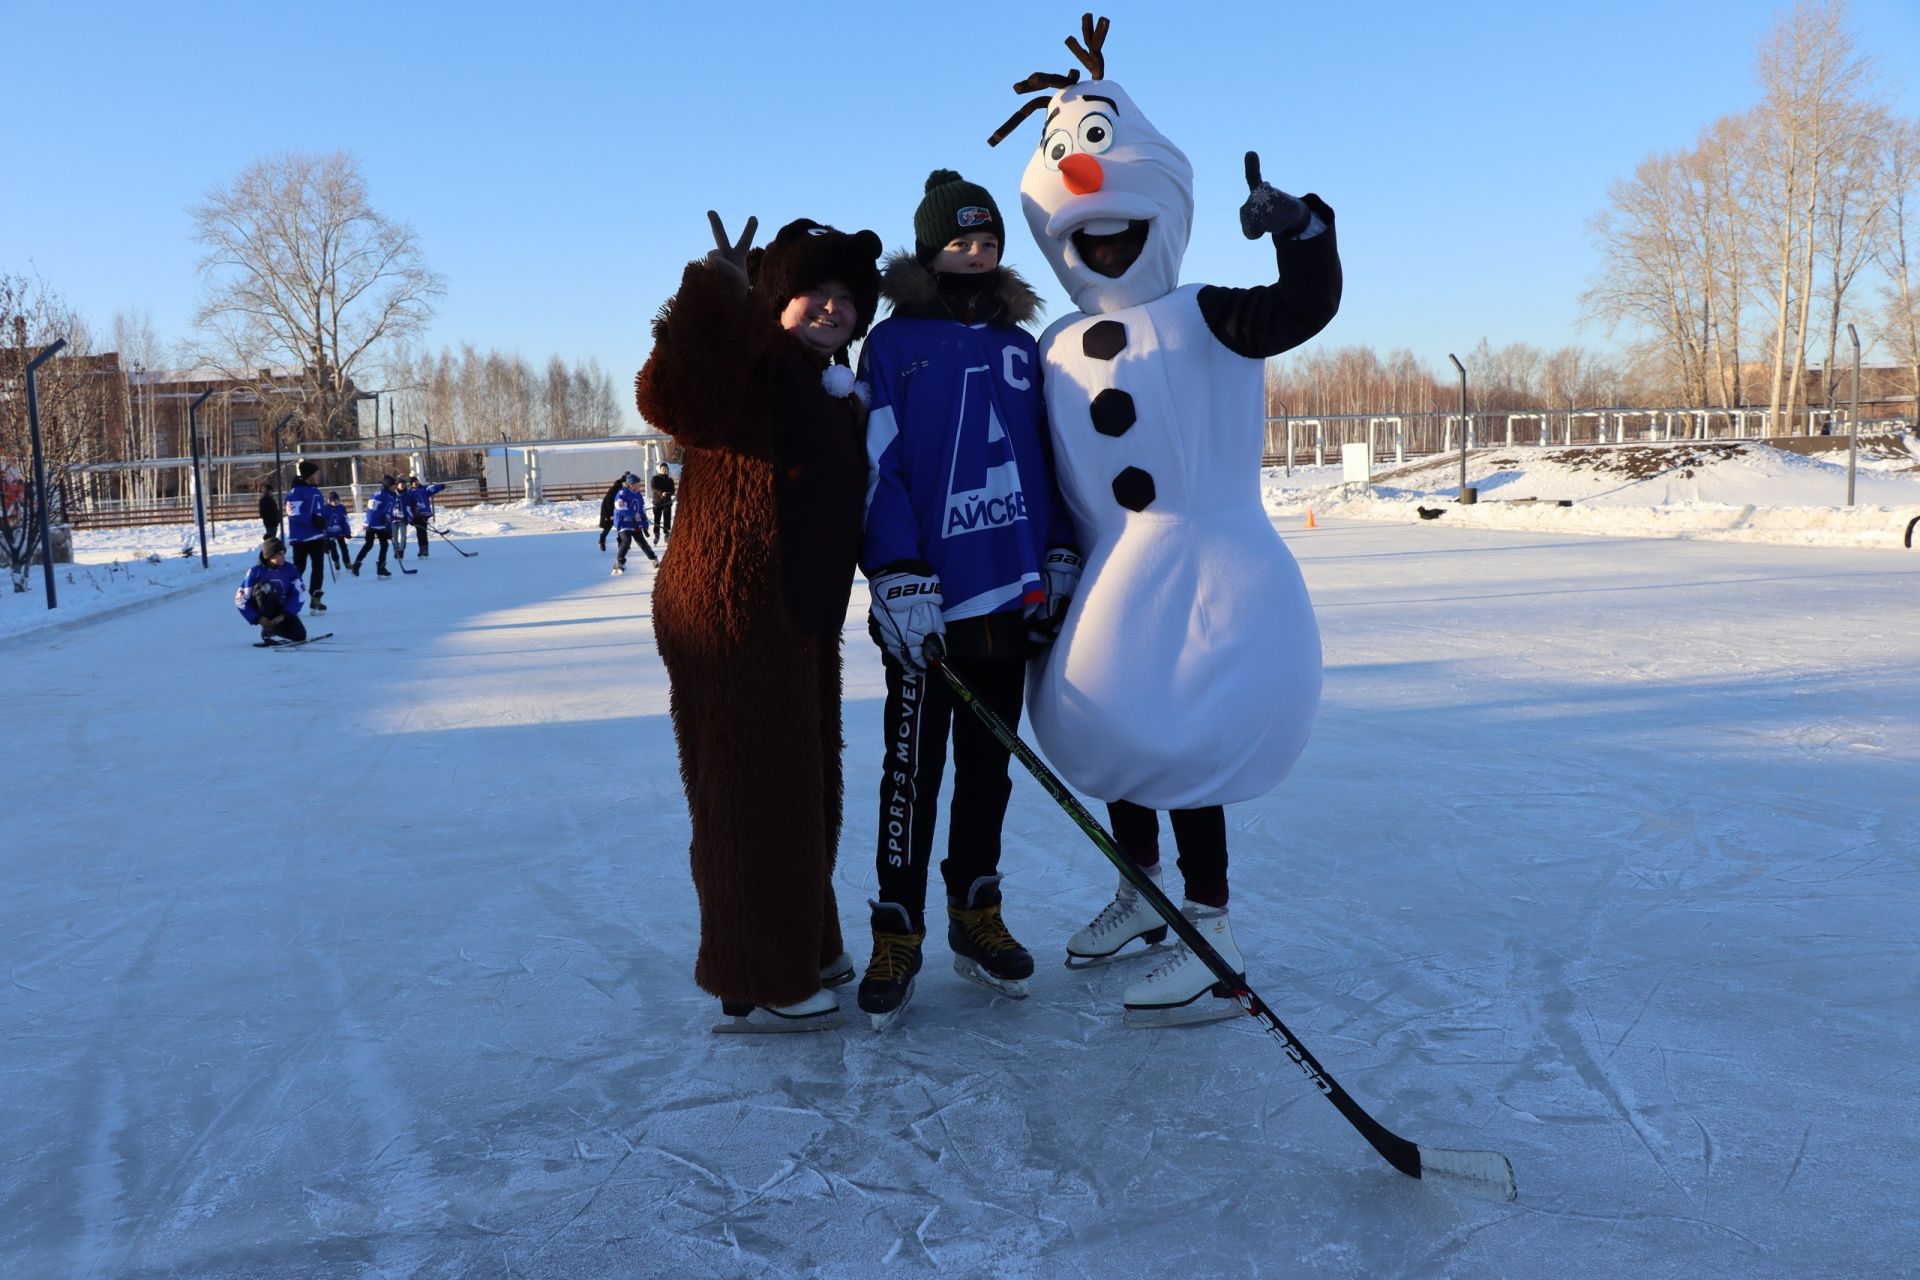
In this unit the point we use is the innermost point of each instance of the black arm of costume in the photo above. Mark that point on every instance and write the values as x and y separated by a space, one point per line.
1270 318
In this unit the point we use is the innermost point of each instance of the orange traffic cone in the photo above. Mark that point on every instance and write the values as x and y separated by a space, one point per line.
1310 524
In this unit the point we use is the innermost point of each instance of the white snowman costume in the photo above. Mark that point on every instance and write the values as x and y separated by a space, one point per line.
1188 670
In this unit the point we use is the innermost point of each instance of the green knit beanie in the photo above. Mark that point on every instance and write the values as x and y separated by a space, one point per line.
953 207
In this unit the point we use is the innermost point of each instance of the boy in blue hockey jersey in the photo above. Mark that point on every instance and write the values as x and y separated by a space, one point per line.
970 560
339 530
630 519
306 516
381 514
269 596
419 509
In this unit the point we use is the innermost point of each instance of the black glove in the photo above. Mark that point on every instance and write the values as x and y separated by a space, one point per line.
266 600
1268 210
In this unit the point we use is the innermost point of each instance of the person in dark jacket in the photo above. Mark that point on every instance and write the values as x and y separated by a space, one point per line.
269 511
380 518
661 487
339 530
606 508
748 374
306 517
269 596
630 519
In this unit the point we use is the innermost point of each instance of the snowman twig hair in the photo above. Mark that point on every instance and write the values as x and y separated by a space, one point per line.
1090 54
1091 57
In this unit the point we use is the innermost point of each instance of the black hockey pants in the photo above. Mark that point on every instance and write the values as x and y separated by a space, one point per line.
367 546
630 538
312 552
921 708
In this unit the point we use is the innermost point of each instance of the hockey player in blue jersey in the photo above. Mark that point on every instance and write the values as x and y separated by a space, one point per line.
306 517
418 498
381 514
339 530
269 596
970 560
630 520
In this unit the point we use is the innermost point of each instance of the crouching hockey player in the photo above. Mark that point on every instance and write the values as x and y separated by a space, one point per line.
269 596
961 517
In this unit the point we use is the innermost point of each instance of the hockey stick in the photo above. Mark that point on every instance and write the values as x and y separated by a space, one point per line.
1487 1174
450 542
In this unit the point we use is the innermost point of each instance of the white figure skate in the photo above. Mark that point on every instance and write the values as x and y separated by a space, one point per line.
1182 989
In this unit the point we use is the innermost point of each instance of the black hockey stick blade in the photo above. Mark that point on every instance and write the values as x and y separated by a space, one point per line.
290 644
450 542
1486 1174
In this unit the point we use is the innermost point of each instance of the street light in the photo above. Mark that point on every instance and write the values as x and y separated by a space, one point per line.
40 493
1463 426
199 485
1853 418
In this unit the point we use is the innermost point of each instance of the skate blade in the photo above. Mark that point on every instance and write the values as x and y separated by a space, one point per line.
1115 957
763 1022
1205 1009
972 971
838 973
881 1021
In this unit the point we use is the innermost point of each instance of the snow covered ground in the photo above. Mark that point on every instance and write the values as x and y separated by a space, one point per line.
373 958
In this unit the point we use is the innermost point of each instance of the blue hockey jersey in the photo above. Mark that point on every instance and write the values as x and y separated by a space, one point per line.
420 500
381 510
283 575
339 523
306 513
961 469
630 510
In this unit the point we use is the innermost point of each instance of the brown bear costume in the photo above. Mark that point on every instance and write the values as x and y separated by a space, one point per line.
749 606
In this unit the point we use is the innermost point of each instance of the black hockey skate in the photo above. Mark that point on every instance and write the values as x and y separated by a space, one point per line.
983 950
888 984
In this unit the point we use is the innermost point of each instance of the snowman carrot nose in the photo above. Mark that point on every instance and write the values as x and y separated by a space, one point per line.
1082 174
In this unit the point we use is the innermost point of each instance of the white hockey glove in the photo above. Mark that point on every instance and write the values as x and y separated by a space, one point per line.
1060 576
904 611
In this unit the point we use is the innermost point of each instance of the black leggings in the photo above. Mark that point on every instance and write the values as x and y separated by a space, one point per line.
314 552
1200 836
632 538
367 546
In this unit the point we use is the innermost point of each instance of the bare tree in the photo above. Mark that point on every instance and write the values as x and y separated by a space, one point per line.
1899 250
301 271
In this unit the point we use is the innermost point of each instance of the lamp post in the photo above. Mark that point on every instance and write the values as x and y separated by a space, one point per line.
279 502
1853 417
1463 424
40 494
1286 431
506 460
199 485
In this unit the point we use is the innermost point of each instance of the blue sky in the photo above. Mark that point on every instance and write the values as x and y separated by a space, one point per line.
557 160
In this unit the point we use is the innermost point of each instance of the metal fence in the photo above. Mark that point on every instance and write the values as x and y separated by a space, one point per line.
1298 442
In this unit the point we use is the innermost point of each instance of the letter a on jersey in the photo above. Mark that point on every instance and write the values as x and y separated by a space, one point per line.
983 482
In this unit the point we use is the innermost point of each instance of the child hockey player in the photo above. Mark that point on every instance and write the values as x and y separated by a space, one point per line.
630 518
306 516
968 554
339 530
419 498
269 596
748 373
380 517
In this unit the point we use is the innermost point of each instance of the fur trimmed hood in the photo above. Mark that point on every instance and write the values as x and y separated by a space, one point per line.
910 290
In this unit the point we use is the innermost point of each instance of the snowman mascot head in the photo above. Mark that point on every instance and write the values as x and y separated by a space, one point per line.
1109 199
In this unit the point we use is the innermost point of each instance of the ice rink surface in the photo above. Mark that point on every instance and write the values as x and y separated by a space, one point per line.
374 959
